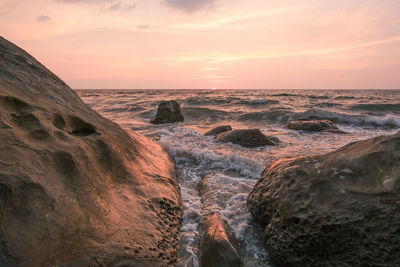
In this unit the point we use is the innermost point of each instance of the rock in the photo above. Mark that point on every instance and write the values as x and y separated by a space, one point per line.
337 209
218 130
218 247
168 111
313 126
247 138
76 189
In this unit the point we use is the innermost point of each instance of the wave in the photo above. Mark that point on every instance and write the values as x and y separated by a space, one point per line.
284 116
257 102
199 151
377 107
232 101
115 110
210 101
281 115
197 112
83 94
360 120
286 94
318 96
149 113
328 104
344 97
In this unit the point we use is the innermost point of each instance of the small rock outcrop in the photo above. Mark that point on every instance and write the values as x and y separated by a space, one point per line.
218 246
337 209
167 112
218 130
75 188
247 138
313 126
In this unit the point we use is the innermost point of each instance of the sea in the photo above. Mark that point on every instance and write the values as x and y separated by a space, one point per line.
233 170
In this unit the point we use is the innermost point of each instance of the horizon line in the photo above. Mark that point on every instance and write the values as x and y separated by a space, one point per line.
382 89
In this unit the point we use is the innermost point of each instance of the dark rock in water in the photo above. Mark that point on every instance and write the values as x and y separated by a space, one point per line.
168 111
313 126
337 209
75 188
247 138
218 130
218 247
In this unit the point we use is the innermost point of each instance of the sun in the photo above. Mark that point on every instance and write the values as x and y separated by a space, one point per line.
213 88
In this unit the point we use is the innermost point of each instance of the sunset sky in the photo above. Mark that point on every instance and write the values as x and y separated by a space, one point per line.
206 43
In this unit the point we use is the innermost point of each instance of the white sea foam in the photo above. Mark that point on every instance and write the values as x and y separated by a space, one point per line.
388 120
197 155
186 145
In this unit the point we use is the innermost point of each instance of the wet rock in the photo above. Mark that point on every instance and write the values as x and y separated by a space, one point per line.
4 125
168 111
218 246
247 138
75 188
218 130
337 209
313 126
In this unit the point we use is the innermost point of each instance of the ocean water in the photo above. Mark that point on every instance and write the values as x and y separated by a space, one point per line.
232 170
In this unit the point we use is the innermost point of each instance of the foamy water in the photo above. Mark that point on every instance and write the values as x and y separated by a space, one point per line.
232 170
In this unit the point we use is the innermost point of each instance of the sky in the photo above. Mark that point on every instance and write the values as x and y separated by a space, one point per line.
127 44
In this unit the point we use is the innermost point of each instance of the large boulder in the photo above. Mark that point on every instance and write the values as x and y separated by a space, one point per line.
218 247
313 126
168 111
75 188
337 209
247 138
217 130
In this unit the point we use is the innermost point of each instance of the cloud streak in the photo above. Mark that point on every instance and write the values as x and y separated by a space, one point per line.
120 6
43 19
190 6
86 1
143 26
217 59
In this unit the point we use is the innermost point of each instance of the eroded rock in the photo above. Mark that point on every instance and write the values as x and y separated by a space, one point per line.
313 126
167 112
218 130
76 189
247 138
218 247
337 209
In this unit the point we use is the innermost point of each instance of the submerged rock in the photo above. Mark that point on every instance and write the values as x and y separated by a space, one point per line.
168 111
218 247
76 189
247 138
313 126
218 130
337 209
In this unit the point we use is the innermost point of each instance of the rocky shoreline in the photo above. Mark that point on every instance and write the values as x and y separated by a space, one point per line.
77 190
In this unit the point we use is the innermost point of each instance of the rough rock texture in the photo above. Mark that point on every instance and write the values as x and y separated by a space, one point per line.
313 126
218 130
337 209
247 138
76 189
218 246
168 111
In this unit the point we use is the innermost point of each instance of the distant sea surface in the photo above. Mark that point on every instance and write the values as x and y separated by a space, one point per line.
233 169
